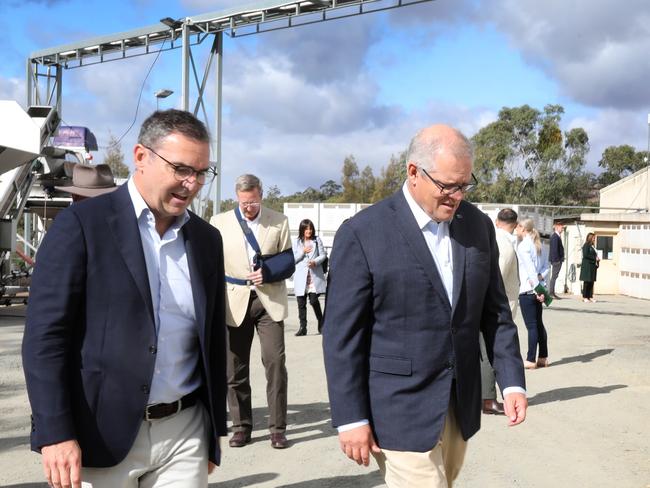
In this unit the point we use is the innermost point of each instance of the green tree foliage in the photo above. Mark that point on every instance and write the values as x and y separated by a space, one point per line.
273 198
350 181
366 185
114 158
619 162
524 157
391 179
330 190
228 204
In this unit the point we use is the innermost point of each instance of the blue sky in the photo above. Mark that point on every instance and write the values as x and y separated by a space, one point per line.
298 101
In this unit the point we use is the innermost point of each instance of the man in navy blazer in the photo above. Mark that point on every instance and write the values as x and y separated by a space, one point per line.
124 345
556 255
413 281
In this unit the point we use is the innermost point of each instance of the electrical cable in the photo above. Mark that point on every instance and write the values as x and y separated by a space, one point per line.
137 107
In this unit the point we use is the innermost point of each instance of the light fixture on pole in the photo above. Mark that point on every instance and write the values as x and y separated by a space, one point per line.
164 93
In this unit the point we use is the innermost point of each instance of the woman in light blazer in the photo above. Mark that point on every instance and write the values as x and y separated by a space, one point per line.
309 278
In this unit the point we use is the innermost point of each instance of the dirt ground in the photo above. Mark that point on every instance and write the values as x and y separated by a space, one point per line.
587 424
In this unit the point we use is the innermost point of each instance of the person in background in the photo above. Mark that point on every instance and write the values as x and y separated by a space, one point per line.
589 268
125 337
556 255
533 269
505 224
413 281
309 278
256 300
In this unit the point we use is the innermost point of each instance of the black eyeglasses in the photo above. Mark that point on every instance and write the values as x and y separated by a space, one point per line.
183 172
448 190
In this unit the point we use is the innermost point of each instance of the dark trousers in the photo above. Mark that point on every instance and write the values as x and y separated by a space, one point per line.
531 310
587 289
302 310
555 271
240 339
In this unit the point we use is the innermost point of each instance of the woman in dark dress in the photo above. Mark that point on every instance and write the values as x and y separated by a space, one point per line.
588 268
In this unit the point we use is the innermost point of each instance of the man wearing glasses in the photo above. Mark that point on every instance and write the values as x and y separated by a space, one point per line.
413 280
256 300
124 346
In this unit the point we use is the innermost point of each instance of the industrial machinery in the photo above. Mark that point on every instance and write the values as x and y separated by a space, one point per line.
29 168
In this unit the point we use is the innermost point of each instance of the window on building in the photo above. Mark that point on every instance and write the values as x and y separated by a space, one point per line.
605 244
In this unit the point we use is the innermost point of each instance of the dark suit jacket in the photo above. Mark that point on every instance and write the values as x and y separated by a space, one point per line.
556 249
87 349
393 343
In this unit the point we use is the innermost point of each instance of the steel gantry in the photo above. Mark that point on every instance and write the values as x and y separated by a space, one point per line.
45 67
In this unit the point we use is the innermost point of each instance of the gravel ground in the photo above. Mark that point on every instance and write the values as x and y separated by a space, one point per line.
587 423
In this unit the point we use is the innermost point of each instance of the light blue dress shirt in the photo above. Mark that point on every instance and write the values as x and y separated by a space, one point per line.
176 370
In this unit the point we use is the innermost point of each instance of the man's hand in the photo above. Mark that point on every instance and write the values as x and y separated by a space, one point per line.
357 444
515 405
211 467
62 464
256 277
540 298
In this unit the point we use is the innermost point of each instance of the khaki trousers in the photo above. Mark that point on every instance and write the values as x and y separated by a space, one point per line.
240 339
170 452
437 468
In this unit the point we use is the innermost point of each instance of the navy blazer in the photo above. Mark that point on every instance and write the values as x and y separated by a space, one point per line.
556 249
392 341
89 342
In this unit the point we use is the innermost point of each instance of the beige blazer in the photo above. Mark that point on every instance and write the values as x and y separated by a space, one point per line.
509 267
273 237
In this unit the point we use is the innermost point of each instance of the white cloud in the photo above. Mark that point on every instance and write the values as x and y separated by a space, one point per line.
13 89
613 128
596 49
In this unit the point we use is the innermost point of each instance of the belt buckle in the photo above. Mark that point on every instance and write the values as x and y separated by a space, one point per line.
147 418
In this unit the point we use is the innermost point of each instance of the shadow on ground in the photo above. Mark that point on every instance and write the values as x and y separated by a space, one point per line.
11 442
583 358
369 480
598 311
571 393
310 417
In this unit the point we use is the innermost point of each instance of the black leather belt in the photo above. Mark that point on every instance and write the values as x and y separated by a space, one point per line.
161 410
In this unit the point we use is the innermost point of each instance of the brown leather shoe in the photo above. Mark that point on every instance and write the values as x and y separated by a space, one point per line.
492 407
279 440
239 439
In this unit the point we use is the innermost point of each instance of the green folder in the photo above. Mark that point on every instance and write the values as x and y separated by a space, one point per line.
540 289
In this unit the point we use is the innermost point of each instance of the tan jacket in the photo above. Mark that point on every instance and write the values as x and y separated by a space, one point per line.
509 267
273 237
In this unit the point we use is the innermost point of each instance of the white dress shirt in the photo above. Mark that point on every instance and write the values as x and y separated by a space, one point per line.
436 235
176 369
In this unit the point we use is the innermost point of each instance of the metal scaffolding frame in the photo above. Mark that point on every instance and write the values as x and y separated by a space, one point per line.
44 67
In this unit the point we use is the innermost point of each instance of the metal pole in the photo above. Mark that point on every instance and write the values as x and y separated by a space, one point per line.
30 76
216 203
647 172
185 68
